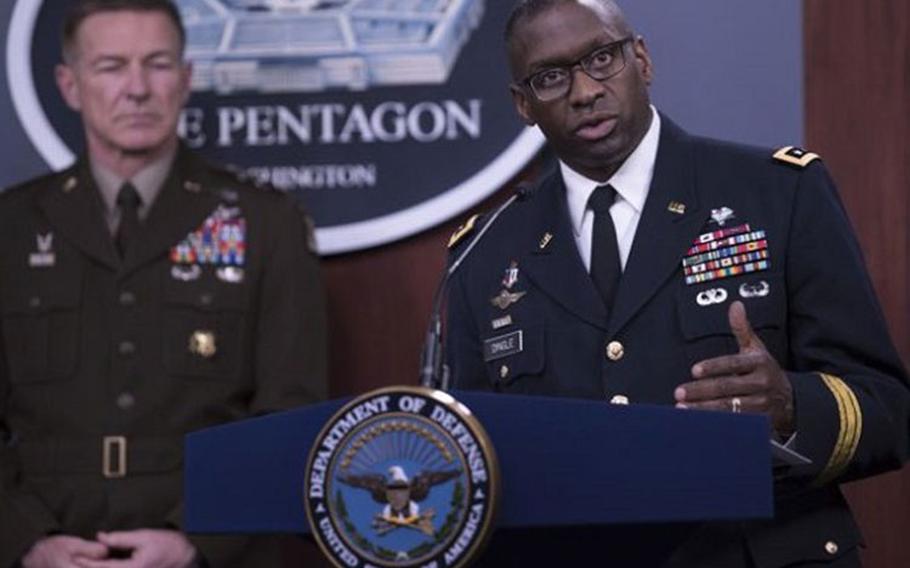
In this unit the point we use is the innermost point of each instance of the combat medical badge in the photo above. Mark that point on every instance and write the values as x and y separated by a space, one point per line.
403 477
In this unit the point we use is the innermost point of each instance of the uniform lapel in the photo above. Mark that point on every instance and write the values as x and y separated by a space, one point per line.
74 210
663 236
182 206
553 263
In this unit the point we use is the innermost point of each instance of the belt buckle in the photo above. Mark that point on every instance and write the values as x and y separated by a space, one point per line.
113 457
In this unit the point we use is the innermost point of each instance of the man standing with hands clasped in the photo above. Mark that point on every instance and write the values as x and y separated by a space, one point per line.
654 266
143 294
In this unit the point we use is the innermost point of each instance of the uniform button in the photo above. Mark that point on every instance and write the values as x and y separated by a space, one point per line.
619 399
504 371
125 401
34 302
206 299
615 351
831 547
126 348
127 298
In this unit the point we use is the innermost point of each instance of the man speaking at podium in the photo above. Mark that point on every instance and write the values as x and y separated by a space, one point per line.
143 294
654 266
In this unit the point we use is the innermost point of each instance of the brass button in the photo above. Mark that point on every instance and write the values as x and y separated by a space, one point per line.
126 348
125 401
203 344
831 547
127 298
620 399
615 351
504 371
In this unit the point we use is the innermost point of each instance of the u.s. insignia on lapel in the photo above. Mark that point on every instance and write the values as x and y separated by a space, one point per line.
45 256
219 242
726 252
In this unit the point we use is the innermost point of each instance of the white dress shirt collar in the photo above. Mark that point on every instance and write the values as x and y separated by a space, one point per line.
631 181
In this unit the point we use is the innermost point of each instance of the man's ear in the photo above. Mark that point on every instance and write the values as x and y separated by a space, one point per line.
643 60
68 85
522 104
186 79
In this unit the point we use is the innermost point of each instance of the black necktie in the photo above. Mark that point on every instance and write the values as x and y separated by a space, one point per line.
605 267
128 201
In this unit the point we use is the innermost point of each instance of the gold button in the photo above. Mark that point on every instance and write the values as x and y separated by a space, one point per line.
831 547
620 399
504 371
202 343
615 351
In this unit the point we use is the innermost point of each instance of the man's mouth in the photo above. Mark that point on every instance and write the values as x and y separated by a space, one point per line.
596 129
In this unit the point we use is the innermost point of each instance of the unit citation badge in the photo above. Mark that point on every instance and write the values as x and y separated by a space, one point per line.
402 477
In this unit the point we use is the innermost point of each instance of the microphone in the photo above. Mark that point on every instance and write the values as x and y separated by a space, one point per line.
434 373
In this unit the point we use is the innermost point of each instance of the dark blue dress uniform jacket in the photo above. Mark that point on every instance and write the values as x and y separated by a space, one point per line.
818 316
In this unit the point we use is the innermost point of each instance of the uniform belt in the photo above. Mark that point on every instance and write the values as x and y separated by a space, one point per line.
110 456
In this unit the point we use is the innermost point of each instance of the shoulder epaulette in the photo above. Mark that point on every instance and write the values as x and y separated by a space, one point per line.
795 156
462 231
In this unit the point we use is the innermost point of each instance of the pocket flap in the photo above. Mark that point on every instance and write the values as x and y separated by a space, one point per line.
703 309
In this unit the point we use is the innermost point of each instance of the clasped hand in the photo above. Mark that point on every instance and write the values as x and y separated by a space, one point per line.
145 548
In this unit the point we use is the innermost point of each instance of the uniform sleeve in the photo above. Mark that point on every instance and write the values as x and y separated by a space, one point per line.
464 353
290 351
24 519
850 388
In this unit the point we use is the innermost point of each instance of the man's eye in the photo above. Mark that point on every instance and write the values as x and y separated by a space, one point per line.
601 58
162 64
550 78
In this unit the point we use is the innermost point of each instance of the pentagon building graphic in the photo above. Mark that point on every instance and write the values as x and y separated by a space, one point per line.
275 46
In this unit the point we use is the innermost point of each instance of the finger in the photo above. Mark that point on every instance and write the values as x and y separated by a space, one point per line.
747 404
738 364
742 328
121 539
718 388
83 562
87 549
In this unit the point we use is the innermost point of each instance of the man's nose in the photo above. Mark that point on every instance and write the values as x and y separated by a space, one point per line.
137 82
585 90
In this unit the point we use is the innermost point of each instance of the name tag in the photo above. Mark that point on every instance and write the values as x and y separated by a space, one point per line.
503 346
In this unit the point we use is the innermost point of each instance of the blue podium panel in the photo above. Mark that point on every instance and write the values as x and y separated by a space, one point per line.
563 462
572 462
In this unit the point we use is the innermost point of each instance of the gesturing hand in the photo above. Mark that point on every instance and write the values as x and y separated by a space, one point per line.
748 381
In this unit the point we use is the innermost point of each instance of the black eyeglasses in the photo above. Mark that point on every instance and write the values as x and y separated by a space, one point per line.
601 64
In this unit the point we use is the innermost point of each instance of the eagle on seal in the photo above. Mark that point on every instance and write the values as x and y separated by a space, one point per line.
400 497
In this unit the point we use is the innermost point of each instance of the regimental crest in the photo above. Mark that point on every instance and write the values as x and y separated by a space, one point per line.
402 476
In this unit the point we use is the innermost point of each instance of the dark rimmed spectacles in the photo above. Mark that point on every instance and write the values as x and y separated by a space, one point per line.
555 82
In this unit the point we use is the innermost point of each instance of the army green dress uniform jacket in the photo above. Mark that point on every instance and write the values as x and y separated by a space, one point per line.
721 223
216 313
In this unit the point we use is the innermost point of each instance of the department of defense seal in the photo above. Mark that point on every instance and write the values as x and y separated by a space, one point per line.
402 477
